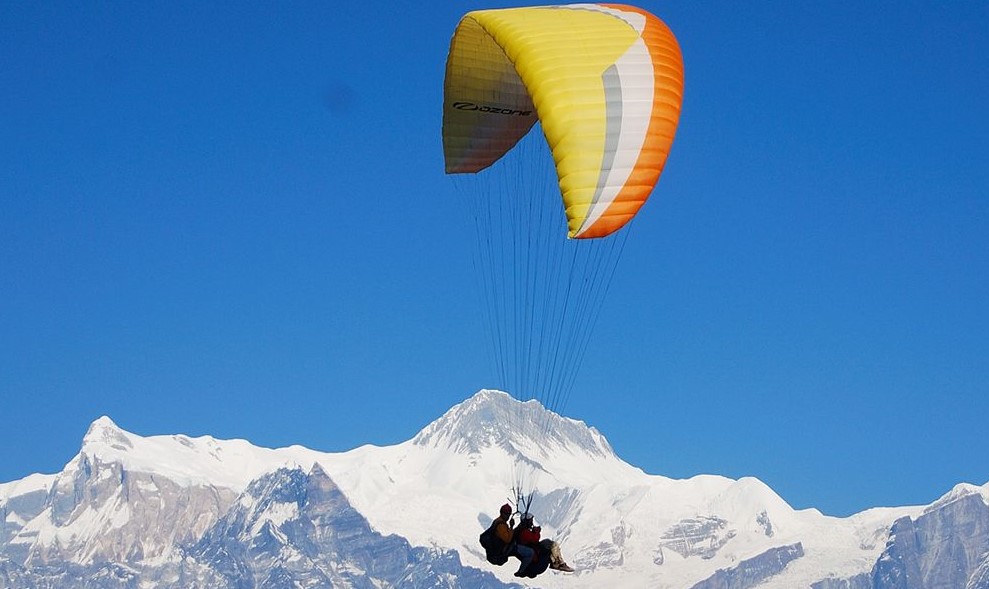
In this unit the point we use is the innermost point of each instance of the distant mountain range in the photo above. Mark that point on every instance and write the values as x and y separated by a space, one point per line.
172 511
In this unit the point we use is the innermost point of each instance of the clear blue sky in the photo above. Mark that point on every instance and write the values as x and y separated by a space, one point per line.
232 219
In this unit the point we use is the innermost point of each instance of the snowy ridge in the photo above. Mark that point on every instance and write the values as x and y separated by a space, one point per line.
188 461
29 484
133 499
959 491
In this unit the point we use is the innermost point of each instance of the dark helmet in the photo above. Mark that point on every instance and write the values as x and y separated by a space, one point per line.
506 509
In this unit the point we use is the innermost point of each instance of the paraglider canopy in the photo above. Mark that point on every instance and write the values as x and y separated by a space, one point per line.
604 81
603 84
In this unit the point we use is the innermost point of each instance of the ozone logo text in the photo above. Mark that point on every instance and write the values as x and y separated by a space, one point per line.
491 109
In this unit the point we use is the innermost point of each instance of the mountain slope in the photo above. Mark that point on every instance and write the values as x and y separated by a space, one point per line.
130 511
294 529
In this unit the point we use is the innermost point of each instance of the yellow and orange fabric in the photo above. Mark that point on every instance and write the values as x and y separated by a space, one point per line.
604 80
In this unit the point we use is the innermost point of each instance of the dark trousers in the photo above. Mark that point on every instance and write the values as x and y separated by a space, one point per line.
525 555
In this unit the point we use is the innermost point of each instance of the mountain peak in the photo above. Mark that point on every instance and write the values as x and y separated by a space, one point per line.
103 431
960 491
495 419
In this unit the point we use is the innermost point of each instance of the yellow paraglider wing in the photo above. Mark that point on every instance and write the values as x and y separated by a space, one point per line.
605 81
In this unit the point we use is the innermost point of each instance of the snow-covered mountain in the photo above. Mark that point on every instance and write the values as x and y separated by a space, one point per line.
174 511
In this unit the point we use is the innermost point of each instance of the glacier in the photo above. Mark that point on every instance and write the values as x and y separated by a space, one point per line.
177 511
